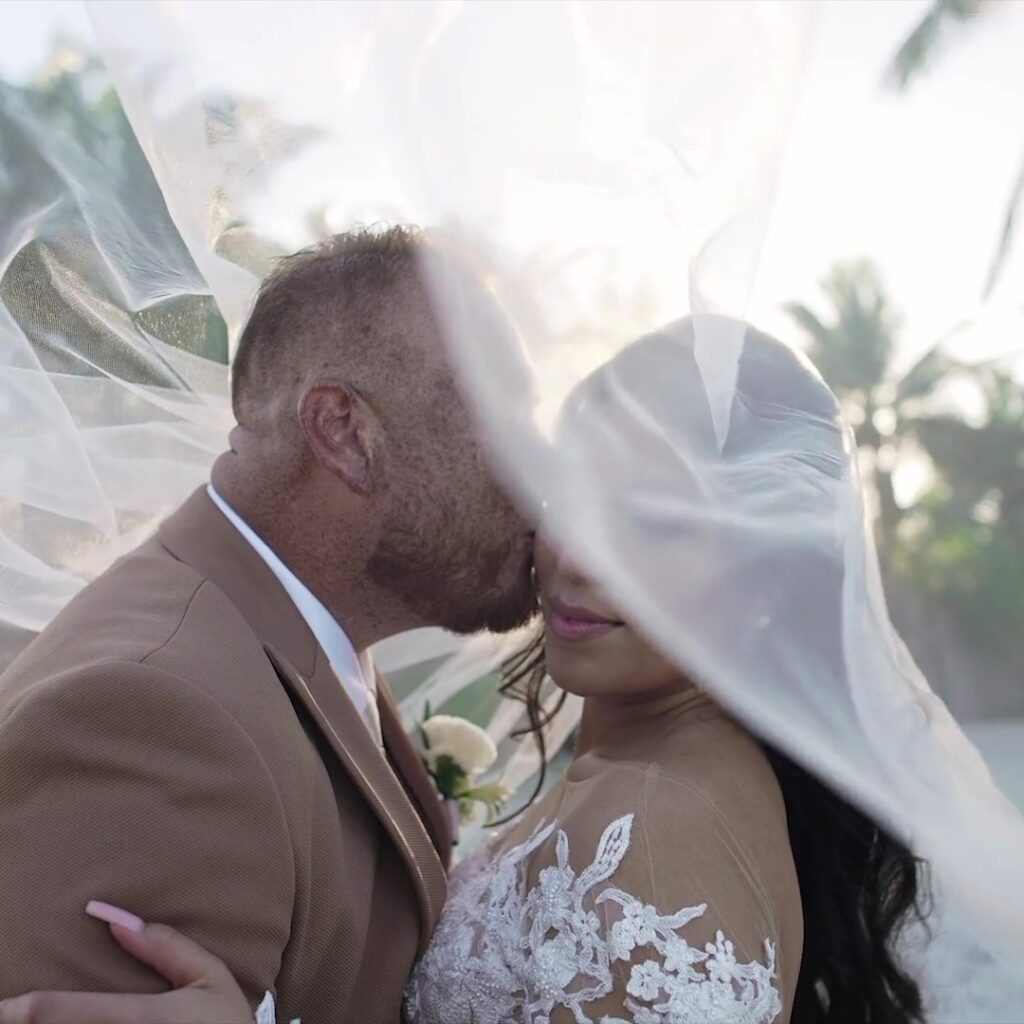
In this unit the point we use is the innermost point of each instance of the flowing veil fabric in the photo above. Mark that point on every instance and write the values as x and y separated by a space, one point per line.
610 166
110 410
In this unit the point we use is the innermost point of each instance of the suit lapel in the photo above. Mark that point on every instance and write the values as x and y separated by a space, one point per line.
344 729
201 536
410 766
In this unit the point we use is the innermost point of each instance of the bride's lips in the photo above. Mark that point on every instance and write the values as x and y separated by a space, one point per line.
574 622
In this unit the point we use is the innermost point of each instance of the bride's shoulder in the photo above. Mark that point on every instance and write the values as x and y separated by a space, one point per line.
708 811
716 780
723 772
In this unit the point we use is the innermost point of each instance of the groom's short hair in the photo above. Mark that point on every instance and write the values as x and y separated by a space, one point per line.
334 292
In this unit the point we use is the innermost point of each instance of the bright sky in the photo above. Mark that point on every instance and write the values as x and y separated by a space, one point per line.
918 182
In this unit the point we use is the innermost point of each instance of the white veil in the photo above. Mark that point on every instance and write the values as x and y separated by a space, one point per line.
110 410
613 166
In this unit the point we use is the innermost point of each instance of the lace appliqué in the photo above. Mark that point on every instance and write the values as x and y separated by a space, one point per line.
507 954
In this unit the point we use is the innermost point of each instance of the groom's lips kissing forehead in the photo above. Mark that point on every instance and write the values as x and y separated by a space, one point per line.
576 622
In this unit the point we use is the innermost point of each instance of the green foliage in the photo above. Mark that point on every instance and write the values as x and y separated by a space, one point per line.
964 542
67 128
65 142
960 545
854 350
853 344
450 779
493 795
920 48
476 702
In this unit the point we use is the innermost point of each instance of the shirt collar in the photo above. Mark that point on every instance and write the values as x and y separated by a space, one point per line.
356 672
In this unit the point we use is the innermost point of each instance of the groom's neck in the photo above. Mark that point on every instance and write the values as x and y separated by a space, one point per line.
322 539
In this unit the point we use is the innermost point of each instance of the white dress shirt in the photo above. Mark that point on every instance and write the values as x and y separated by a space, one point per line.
355 671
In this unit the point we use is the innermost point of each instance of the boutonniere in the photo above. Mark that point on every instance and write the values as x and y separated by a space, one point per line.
456 753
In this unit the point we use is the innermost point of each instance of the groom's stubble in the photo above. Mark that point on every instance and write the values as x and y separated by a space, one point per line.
449 515
432 538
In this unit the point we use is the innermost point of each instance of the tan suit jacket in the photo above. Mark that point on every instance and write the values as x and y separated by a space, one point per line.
176 743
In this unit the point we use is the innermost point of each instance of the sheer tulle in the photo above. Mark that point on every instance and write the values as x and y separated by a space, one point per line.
611 167
109 416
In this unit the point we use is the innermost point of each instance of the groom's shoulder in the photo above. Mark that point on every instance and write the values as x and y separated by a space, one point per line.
149 616
125 614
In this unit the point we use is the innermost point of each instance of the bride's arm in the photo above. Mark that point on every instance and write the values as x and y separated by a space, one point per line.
203 992
686 923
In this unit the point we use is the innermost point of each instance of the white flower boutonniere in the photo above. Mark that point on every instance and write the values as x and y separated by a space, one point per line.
456 752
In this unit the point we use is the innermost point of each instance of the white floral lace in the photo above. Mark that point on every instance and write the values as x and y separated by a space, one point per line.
507 954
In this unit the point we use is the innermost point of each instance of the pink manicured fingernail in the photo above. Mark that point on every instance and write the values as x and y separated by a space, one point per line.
114 915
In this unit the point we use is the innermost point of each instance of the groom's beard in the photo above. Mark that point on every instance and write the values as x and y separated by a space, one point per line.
461 586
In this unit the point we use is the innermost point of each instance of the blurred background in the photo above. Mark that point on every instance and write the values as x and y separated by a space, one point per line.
893 257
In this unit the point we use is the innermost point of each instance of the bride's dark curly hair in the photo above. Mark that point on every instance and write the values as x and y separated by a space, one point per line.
859 885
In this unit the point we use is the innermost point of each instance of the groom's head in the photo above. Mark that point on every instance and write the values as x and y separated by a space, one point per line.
349 413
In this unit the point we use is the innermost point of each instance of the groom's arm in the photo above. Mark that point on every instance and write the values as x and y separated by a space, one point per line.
126 784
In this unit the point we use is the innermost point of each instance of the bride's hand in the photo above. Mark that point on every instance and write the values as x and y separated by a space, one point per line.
203 992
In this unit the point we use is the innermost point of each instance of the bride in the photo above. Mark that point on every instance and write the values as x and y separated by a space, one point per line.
683 870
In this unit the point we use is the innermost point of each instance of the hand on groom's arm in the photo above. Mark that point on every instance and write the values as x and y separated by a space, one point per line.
126 784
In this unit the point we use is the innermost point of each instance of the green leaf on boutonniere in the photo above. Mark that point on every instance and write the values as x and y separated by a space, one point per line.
424 739
449 777
493 795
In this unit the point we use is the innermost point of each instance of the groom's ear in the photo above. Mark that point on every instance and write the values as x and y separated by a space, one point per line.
341 430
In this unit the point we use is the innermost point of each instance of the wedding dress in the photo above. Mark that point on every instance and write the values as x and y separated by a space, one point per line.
653 885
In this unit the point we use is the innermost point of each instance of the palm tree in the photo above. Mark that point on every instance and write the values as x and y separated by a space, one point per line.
960 545
918 51
964 545
854 345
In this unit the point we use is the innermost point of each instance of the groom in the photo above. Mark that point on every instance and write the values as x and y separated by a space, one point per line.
200 736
